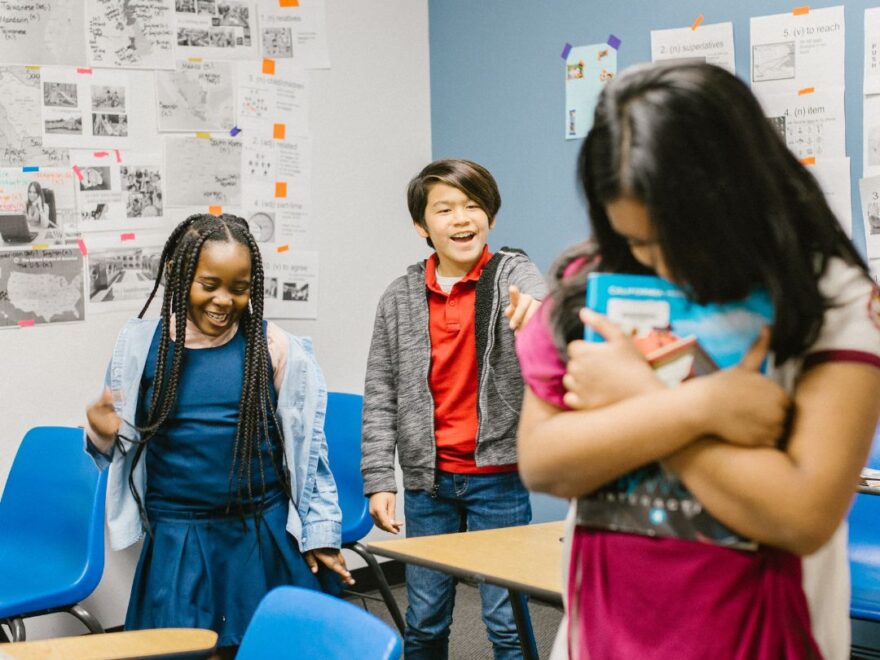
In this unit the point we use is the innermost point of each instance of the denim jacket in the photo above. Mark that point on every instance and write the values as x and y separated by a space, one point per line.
313 517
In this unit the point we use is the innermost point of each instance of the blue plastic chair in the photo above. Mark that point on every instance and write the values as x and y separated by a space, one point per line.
864 561
51 529
292 623
342 427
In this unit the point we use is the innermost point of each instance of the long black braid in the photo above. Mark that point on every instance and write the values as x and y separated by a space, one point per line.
256 415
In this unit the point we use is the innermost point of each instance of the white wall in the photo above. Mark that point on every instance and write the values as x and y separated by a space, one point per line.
370 121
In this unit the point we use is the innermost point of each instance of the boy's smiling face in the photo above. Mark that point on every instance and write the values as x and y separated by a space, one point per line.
457 226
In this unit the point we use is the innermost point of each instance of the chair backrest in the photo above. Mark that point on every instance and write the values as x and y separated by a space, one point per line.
53 508
291 622
342 426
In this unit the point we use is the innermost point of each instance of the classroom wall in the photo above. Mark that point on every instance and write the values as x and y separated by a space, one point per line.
498 97
498 94
370 122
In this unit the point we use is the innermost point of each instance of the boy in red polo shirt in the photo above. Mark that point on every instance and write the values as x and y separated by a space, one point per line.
444 389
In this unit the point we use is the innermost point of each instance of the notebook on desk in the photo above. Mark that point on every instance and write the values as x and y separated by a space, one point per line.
14 229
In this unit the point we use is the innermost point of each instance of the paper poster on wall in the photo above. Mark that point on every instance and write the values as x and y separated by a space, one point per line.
872 51
202 172
280 221
123 272
265 159
587 69
871 135
134 34
124 193
793 51
36 207
88 108
297 33
869 193
281 98
833 177
708 43
196 96
813 125
216 29
41 286
21 135
290 284
42 32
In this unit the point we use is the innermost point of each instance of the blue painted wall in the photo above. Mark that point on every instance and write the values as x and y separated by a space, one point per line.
498 94
498 97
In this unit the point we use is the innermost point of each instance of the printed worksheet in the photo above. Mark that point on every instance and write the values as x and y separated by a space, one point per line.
21 135
872 51
813 125
833 177
869 192
42 32
708 43
281 98
587 69
871 135
196 96
290 284
131 34
41 286
796 50
296 33
85 108
119 191
37 206
122 270
202 172
216 29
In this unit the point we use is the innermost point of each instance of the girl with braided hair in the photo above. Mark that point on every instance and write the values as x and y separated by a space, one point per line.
211 423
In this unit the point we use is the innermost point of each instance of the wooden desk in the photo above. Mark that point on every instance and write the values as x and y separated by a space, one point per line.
525 560
154 643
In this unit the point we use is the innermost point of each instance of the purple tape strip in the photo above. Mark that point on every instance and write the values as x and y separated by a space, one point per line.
234 131
566 50
613 41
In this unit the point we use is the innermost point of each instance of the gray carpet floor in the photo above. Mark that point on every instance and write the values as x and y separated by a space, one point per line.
468 639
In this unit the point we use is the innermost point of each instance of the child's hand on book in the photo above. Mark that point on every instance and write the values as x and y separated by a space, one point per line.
602 373
741 405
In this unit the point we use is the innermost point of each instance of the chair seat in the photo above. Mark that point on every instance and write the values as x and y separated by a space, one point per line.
35 583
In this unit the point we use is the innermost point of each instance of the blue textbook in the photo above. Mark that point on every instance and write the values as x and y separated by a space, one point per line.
681 339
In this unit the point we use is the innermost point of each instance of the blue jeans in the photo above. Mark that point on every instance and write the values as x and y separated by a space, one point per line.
461 502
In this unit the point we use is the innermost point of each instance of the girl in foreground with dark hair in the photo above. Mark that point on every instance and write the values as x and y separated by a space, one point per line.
220 455
685 179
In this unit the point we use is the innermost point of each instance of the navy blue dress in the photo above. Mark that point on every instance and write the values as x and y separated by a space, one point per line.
204 567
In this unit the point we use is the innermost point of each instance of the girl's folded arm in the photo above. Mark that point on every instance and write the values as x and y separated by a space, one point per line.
571 453
793 499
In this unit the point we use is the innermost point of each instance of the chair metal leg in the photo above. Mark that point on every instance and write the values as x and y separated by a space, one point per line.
384 589
90 621
16 628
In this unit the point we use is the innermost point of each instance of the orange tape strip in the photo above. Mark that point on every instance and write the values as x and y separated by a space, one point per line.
215 210
697 22
282 248
268 66
809 160
278 131
288 3
806 90
800 11
280 189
